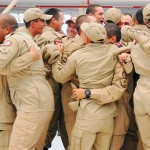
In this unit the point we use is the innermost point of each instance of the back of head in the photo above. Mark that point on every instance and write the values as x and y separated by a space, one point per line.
91 8
139 16
54 12
94 31
113 15
8 20
79 21
113 30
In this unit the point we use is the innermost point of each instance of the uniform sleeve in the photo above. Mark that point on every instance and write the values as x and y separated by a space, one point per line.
63 73
145 43
113 92
9 64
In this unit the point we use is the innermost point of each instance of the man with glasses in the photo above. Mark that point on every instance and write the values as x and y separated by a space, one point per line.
30 92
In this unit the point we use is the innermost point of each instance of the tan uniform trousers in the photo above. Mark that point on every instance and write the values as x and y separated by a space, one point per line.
5 137
122 120
92 134
142 109
29 130
117 142
57 118
69 115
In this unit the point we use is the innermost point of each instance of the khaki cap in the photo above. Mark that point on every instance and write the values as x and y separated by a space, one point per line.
94 31
113 14
35 13
146 11
72 19
127 33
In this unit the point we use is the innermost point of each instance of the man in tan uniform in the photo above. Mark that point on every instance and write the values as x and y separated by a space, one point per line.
114 15
30 92
93 117
132 138
70 47
50 35
113 35
140 58
71 29
7 110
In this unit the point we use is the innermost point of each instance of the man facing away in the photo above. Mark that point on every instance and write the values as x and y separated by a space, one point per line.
94 68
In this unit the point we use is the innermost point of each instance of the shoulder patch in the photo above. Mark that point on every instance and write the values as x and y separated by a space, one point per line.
7 43
124 83
57 41
118 44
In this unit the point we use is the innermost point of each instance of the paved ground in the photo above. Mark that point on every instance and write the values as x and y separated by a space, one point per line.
57 144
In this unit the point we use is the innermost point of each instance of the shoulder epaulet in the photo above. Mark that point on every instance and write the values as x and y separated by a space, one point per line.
118 44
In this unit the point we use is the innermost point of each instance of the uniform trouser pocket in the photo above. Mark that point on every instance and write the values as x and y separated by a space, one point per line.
28 129
76 139
4 139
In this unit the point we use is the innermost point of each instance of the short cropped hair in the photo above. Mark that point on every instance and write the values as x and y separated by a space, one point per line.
139 16
79 21
54 12
91 8
113 30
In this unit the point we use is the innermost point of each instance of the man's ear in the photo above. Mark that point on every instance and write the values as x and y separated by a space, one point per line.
114 39
90 14
53 21
32 23
8 30
86 40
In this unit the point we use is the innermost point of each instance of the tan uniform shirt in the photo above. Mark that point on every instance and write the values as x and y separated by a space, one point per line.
28 87
140 27
70 46
140 54
48 36
94 66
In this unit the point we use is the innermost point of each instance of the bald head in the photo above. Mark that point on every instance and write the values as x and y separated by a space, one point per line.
7 25
8 20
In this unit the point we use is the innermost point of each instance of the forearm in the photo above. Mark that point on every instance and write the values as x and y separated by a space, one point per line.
62 73
18 64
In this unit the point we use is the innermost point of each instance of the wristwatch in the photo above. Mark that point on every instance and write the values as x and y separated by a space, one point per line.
88 93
